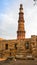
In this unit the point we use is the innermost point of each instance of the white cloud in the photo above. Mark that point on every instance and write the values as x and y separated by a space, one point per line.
8 25
31 21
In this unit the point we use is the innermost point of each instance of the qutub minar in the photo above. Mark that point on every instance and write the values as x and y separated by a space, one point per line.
20 47
21 30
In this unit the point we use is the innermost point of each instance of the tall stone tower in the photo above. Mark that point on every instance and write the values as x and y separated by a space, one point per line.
21 29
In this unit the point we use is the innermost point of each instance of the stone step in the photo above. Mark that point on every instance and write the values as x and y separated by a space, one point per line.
21 53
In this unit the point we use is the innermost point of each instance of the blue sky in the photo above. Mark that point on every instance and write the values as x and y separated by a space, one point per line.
9 10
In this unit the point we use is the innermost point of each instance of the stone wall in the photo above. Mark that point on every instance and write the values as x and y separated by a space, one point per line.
19 47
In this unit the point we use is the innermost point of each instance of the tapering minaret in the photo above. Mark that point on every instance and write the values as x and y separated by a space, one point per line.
21 29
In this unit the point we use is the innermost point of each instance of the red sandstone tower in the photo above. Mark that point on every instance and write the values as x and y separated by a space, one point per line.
21 29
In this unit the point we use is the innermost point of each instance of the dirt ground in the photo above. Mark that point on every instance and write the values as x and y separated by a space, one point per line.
18 62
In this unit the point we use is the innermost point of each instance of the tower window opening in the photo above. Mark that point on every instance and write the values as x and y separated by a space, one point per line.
27 45
15 46
6 46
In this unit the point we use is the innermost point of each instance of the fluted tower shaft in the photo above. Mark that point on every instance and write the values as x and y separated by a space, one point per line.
21 29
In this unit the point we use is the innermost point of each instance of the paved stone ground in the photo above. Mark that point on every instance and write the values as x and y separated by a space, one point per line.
19 62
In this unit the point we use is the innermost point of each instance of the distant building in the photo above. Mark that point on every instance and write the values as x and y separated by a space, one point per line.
21 46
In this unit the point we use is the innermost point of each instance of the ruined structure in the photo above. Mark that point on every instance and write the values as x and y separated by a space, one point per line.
21 46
